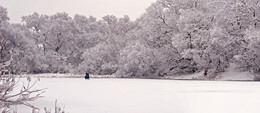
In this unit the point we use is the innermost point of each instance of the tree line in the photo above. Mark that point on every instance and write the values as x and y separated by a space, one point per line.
173 37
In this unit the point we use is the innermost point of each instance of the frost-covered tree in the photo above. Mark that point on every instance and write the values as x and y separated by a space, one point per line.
176 36
101 59
140 60
248 59
86 34
53 40
113 35
37 29
240 24
192 28
24 49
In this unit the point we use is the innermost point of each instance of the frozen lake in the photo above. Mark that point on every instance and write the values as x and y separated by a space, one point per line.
148 96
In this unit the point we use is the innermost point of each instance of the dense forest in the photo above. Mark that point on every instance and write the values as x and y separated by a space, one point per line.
173 37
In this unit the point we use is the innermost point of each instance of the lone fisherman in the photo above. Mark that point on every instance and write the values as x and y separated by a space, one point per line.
87 76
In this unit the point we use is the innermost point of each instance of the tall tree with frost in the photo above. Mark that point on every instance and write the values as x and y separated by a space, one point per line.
103 57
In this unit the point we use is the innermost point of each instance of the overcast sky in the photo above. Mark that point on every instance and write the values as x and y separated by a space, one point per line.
96 8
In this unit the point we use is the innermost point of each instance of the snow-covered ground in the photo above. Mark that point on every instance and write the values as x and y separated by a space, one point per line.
148 96
230 73
55 75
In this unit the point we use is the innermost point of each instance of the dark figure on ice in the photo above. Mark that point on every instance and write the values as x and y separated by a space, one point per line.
87 76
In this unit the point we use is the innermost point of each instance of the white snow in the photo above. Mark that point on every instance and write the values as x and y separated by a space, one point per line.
148 96
230 73
189 76
233 74
55 75
52 75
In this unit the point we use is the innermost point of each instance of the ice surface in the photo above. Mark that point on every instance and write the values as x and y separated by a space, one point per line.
148 96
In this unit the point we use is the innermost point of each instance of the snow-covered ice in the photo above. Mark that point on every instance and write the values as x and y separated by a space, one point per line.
148 96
